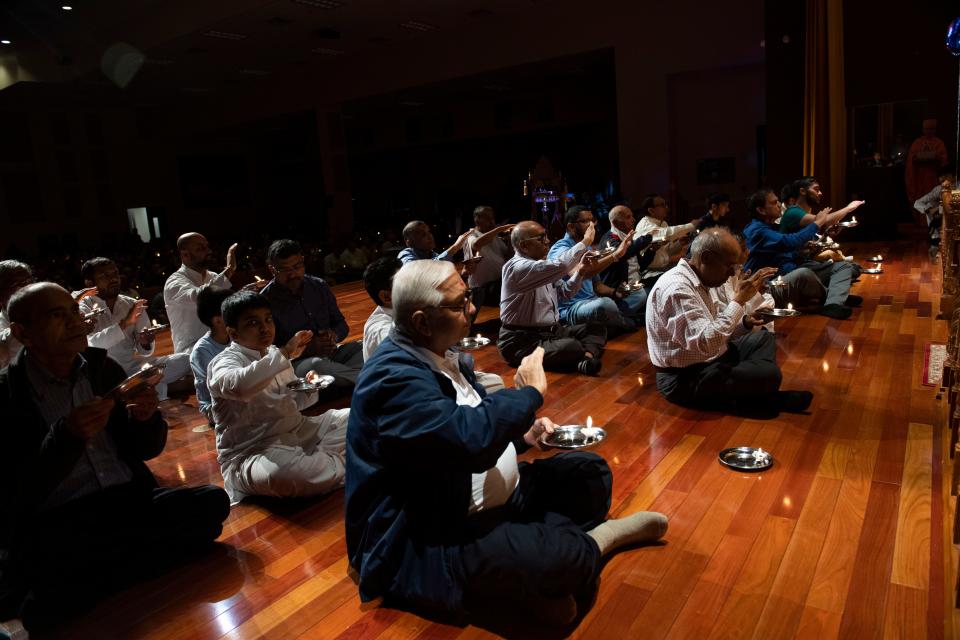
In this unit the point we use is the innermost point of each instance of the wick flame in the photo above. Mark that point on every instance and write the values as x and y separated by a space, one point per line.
259 279
789 306
155 323
479 336
640 380
589 422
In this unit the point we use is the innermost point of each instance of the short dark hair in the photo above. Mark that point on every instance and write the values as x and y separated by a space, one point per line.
757 200
803 183
239 303
10 269
378 276
479 210
574 212
787 192
89 268
717 199
283 249
209 302
648 201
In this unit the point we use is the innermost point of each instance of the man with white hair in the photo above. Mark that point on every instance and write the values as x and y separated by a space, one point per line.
440 515
529 309
702 344
183 286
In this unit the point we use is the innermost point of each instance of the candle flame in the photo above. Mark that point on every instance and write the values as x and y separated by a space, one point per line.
825 366
640 380
853 219
259 279
155 323
479 336
789 306
589 422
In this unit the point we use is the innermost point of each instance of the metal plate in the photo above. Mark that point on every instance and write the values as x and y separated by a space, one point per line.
301 384
138 380
873 271
746 458
157 328
778 313
848 224
573 436
603 253
94 313
473 342
631 287
877 259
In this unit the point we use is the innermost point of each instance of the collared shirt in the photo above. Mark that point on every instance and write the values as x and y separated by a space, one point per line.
662 231
528 296
9 346
252 406
180 297
771 248
121 344
376 329
203 353
99 466
409 254
494 254
314 308
494 486
586 291
687 323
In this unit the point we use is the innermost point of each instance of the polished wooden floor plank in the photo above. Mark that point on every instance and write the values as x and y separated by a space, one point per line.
905 613
817 624
910 568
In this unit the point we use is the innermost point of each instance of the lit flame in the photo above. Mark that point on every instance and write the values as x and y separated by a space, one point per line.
849 348
155 323
640 380
825 366
789 306
589 422
479 337
879 257
258 278
853 219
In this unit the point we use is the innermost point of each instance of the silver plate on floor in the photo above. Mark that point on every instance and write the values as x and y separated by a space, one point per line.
746 458
473 342
573 436
301 384
873 271
778 313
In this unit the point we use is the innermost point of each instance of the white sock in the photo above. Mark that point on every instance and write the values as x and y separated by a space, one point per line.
645 526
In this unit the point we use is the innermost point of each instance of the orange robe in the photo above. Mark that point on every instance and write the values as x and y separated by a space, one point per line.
926 157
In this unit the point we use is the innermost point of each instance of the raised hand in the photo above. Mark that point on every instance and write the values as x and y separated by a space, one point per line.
297 344
134 314
530 372
84 293
231 259
590 234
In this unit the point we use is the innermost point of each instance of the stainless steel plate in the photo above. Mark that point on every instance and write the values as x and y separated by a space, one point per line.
873 271
573 436
301 384
847 224
631 287
603 253
746 458
94 313
156 328
877 259
137 381
472 342
778 313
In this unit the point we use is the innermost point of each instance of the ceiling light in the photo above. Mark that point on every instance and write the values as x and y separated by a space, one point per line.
416 25
224 35
5 42
321 4
328 52
67 7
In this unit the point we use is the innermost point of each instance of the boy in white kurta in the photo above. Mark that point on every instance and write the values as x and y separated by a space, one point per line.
265 446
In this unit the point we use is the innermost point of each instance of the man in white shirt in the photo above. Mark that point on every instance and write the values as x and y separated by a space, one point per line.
703 348
14 275
489 243
122 327
654 222
183 285
265 446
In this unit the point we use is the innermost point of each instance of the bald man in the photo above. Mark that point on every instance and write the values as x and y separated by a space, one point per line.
183 286
529 310
81 511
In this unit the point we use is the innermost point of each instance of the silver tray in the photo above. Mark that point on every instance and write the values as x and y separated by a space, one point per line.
603 253
137 381
873 271
155 328
301 384
473 342
877 259
744 459
573 436
848 224
631 287
94 313
778 313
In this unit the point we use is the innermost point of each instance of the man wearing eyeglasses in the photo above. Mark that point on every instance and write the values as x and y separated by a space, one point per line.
654 222
303 302
532 284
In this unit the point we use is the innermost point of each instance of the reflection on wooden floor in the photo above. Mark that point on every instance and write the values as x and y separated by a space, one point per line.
843 537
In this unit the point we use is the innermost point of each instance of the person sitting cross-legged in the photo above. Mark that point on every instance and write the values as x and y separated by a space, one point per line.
209 346
14 275
82 514
440 514
265 446
702 345
635 261
421 244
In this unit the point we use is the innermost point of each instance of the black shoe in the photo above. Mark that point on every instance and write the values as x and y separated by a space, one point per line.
590 366
794 401
853 301
836 311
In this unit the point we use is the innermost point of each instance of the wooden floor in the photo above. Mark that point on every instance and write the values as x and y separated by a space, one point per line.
844 537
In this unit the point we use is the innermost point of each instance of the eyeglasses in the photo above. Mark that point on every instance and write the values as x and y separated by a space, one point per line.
585 221
297 266
463 307
542 238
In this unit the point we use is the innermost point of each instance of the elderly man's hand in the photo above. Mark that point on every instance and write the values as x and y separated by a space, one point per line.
297 344
540 426
85 293
90 418
755 320
530 372
590 234
143 404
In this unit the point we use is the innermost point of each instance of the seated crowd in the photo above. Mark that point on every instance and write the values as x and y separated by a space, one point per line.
440 513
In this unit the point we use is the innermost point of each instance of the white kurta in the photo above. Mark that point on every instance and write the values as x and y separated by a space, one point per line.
376 329
265 446
662 231
180 297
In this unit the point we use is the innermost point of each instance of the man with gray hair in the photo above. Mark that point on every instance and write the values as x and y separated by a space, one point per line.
440 515
420 243
14 275
529 302
702 345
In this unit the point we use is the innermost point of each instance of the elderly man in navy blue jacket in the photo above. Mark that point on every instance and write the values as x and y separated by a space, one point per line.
440 516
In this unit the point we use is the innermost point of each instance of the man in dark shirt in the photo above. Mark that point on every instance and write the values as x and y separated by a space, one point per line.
82 514
299 301
718 206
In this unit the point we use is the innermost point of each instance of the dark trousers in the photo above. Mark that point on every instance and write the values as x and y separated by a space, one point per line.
344 365
747 371
487 295
66 559
563 346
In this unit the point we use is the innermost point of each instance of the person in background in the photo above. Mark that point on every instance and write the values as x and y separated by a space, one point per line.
14 275
931 206
420 243
654 222
718 206
209 346
488 244
925 160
